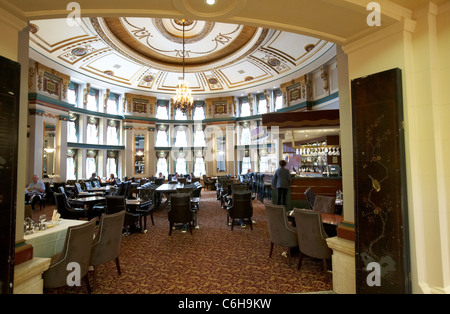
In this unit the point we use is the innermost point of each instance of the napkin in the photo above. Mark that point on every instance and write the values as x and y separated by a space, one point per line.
56 215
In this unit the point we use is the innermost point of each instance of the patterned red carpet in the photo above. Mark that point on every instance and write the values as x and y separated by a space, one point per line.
214 260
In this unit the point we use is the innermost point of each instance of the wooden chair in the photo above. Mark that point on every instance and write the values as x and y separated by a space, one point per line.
180 211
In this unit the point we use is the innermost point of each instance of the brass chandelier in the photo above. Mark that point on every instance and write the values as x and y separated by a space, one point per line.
183 99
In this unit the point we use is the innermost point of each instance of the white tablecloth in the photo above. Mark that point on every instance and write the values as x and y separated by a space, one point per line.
47 243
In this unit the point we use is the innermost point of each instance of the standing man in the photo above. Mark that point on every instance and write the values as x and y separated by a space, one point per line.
35 190
282 181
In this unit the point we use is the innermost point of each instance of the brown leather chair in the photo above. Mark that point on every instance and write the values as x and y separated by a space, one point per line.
106 246
180 211
311 236
76 249
281 233
241 207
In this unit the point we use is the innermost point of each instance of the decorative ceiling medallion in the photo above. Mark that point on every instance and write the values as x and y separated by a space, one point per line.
184 22
145 41
309 47
213 81
109 72
79 52
249 78
148 78
200 30
33 28
274 62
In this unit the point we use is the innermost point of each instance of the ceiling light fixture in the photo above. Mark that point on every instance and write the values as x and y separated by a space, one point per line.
183 100
210 2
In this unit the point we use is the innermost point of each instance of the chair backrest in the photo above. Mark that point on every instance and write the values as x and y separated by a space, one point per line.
147 194
78 186
115 204
88 185
185 190
180 208
96 183
311 234
159 181
279 230
324 204
77 249
173 182
182 180
241 205
310 197
239 187
107 243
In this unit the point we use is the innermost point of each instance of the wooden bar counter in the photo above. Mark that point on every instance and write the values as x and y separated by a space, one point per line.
321 185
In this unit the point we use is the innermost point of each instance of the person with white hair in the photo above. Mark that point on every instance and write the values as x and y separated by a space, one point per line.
35 191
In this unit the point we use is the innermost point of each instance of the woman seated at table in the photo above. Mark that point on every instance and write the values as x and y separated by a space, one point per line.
111 179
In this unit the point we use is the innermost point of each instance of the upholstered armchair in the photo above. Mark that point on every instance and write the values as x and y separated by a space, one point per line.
311 236
281 233
76 249
241 208
66 210
106 246
180 211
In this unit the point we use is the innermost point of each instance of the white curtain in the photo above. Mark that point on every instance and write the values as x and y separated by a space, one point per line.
245 109
111 166
71 132
245 136
199 113
199 167
161 139
162 113
71 168
181 138
161 166
91 166
92 134
246 164
111 136
92 103
181 166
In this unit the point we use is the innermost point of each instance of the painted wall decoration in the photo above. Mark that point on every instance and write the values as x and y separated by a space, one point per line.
382 251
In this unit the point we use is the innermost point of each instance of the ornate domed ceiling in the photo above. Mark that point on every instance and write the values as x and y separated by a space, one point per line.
146 54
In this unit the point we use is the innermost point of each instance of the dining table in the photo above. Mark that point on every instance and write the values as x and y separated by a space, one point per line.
50 241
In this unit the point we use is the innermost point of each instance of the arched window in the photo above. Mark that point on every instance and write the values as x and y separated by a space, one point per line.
162 112
199 113
245 109
181 135
199 137
91 163
92 130
161 136
161 165
112 132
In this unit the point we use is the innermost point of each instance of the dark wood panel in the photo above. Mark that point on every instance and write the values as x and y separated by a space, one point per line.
9 117
320 186
382 245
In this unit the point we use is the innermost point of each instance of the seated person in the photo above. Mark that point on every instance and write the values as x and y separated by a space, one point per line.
34 191
175 177
111 179
95 177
